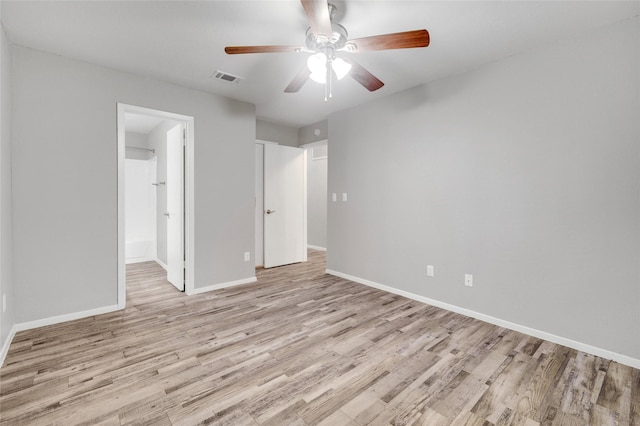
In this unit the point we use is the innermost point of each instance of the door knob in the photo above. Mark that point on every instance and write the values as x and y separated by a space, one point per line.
269 211
167 215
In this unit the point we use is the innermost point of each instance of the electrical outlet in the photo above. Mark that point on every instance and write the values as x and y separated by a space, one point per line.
468 280
4 302
334 197
247 256
344 196
430 270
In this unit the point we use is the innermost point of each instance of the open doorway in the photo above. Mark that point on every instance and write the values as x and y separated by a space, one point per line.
317 196
155 193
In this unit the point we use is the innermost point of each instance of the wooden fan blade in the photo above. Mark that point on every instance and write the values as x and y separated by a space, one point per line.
404 40
317 12
298 81
234 50
364 77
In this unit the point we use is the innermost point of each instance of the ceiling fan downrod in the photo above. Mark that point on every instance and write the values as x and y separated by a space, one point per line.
327 86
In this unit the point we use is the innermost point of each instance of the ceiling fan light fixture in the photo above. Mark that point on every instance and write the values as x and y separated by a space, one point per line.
318 77
325 38
340 67
317 64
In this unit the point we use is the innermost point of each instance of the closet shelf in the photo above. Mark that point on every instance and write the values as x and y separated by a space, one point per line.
153 151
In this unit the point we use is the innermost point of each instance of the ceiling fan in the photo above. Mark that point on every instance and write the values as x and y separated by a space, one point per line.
328 41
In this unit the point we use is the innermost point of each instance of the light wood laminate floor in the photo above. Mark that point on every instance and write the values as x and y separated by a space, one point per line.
300 347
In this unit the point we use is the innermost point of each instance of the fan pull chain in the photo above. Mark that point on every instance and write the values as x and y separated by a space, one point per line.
327 86
328 93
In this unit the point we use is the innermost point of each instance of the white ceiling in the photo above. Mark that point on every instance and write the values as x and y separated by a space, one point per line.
183 42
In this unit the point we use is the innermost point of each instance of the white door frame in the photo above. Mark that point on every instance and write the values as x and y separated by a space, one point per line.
189 221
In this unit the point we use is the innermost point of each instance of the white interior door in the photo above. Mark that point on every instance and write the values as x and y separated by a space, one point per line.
175 207
285 211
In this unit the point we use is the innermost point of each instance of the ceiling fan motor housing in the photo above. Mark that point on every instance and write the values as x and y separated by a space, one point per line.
337 41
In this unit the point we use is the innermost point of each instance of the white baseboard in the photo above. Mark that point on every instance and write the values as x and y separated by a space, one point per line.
138 260
222 285
66 317
7 343
50 321
98 311
161 263
603 353
316 247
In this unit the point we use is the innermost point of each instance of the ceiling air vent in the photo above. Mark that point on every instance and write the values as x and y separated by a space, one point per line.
221 75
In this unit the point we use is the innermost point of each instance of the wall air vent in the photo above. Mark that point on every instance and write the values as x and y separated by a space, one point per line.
221 75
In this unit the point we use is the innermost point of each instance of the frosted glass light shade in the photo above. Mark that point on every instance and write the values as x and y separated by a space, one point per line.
317 64
340 67
319 77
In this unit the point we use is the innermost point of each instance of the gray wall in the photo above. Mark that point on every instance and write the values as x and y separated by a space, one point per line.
284 135
524 173
316 198
7 318
307 134
64 181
